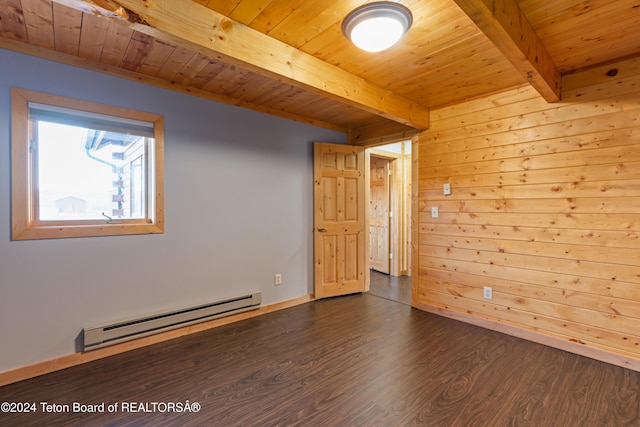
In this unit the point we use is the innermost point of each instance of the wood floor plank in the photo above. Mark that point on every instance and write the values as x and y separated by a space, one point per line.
359 360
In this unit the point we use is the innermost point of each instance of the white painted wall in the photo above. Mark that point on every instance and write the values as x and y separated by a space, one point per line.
238 209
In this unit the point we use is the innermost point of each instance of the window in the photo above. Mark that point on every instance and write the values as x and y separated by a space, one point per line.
82 169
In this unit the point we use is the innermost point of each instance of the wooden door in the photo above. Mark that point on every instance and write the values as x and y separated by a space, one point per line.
340 251
379 215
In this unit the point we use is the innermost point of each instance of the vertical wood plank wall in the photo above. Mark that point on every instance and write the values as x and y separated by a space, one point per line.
545 209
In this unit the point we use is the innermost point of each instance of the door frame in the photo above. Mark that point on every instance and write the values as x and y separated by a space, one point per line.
413 259
400 213
389 225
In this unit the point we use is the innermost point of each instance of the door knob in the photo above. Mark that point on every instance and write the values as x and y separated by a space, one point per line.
322 229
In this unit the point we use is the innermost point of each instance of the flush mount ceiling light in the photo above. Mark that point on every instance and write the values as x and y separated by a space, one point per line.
377 26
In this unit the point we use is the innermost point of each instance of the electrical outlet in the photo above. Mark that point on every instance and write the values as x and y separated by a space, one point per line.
447 189
278 279
488 292
434 212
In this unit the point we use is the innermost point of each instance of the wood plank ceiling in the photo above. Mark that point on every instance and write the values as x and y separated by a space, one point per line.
289 57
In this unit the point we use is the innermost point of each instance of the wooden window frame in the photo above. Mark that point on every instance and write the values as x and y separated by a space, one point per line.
23 224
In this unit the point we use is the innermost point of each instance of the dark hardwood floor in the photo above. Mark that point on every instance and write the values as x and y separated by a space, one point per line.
358 360
393 288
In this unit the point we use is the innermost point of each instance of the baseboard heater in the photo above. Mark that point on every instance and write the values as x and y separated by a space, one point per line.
101 336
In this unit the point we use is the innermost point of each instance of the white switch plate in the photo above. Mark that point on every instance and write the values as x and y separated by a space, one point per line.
434 212
447 189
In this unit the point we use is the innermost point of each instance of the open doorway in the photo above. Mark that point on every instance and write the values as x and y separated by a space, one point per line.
389 187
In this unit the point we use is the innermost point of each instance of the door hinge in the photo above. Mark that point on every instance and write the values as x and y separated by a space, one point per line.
390 214
390 255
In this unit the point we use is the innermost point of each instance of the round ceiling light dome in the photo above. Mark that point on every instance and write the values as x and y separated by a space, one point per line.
377 26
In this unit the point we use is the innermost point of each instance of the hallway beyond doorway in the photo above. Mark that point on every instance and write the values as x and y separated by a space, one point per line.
393 288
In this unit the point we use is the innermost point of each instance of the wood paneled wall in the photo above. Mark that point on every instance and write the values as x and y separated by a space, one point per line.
545 209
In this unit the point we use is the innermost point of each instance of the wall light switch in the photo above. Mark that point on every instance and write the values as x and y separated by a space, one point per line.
434 212
447 189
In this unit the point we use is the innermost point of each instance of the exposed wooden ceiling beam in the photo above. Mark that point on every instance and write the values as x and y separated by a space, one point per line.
504 24
64 58
385 132
193 26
